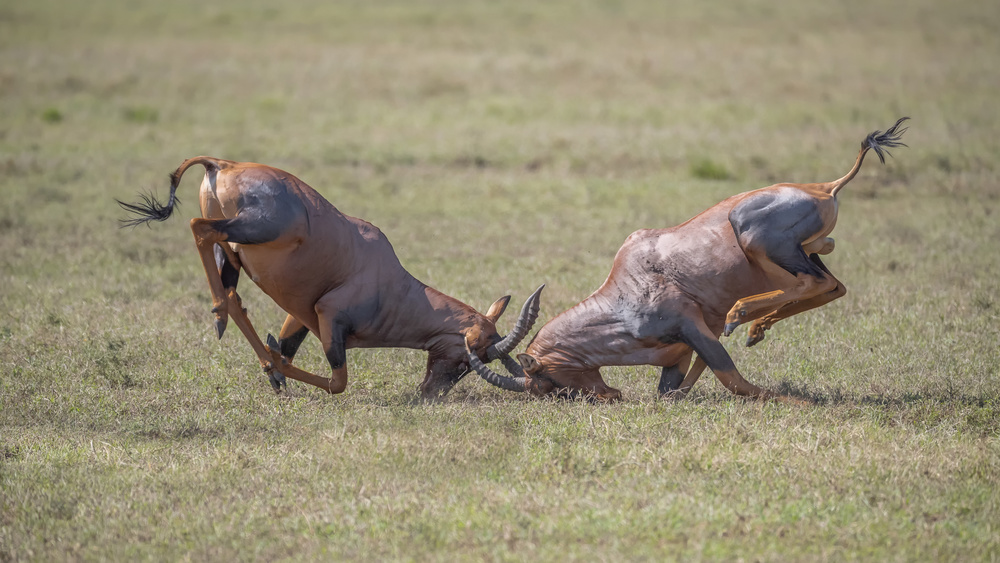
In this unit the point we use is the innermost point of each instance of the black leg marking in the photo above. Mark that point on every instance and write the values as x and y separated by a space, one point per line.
708 348
229 273
275 376
336 352
289 345
670 379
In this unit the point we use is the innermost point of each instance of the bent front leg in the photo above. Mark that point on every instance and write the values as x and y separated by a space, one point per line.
707 346
275 366
333 329
282 351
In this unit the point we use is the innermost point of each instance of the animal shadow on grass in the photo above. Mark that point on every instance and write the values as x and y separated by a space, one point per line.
886 399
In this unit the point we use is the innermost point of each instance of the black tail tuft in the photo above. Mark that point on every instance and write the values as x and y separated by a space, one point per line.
150 209
880 142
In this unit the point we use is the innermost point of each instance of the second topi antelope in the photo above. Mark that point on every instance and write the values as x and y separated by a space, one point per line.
671 292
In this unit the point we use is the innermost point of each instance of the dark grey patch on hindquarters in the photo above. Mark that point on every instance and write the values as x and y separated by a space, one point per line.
815 259
794 261
776 223
264 212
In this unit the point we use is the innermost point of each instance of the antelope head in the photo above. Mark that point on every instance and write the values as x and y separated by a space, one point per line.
484 344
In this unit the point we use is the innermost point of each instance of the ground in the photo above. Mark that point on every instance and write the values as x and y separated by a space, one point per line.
499 146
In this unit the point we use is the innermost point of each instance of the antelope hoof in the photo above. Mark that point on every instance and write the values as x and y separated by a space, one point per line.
220 326
221 320
755 336
277 380
730 327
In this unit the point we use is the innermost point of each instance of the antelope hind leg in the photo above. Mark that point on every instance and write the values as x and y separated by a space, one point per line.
207 237
771 228
759 326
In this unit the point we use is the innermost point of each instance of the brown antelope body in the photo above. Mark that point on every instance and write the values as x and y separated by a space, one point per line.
672 292
336 276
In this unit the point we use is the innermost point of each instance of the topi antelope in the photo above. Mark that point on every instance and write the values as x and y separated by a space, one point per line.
671 292
336 276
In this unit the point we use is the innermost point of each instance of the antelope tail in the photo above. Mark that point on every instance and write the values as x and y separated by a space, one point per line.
150 209
879 142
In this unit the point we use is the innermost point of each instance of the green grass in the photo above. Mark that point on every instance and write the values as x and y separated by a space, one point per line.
499 146
708 169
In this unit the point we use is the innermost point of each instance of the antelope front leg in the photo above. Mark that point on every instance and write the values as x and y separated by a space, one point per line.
672 376
333 328
688 382
275 365
278 367
282 351
714 355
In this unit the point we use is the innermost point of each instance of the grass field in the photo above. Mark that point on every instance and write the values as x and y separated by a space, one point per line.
499 146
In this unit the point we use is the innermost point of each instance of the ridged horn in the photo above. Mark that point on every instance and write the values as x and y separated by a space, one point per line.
494 378
527 318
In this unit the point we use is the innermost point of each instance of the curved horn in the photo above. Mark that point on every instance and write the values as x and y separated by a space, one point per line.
493 378
527 318
513 367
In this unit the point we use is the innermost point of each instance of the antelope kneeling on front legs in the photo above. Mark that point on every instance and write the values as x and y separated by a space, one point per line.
672 292
336 276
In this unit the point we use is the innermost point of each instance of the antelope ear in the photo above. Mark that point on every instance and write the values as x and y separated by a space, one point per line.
497 308
529 363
